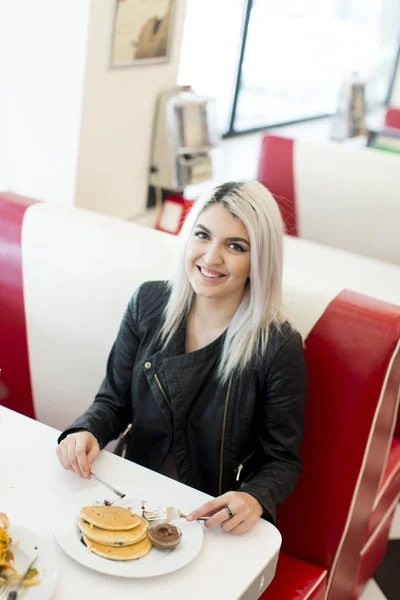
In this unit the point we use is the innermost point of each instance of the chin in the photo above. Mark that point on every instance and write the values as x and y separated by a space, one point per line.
205 293
201 289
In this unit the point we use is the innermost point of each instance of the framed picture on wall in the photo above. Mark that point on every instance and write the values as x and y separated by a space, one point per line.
142 32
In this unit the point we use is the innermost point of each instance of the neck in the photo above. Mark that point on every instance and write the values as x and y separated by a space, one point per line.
215 313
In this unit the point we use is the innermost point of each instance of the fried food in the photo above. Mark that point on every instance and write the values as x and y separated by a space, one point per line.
6 555
7 570
4 521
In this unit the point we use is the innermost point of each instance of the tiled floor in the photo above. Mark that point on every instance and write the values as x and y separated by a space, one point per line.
387 575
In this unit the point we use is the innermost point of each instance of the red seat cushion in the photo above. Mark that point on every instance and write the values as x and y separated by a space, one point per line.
389 488
275 171
373 552
392 118
296 579
16 389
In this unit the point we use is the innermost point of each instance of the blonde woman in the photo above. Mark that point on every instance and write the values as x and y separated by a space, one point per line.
207 369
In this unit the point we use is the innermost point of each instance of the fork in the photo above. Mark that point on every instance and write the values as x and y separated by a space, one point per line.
11 589
166 514
4 590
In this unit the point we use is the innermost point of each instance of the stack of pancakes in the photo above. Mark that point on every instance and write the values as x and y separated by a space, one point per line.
114 532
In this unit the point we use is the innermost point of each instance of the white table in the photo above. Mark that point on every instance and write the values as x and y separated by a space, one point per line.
33 483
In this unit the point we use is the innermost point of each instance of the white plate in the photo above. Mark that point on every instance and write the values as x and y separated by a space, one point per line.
31 544
156 562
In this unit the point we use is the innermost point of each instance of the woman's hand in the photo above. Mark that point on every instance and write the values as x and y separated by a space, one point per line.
77 452
243 507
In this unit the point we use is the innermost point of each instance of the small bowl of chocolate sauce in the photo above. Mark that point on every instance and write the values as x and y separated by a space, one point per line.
165 536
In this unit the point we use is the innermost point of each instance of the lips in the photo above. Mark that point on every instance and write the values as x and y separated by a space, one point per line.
210 273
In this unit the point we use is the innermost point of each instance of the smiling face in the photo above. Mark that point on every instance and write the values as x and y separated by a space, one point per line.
217 259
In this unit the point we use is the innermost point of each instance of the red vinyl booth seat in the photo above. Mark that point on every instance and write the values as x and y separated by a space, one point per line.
296 580
325 520
14 359
373 552
389 489
392 118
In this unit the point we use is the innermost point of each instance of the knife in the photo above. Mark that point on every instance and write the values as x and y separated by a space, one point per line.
13 595
110 487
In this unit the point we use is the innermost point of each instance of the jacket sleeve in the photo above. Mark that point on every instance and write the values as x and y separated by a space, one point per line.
281 428
111 410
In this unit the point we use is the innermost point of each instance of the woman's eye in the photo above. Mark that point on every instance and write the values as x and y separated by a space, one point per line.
236 247
201 235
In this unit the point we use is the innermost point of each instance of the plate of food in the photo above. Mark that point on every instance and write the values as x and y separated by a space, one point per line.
18 547
115 539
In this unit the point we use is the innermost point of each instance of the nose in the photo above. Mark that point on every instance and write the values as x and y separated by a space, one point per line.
213 256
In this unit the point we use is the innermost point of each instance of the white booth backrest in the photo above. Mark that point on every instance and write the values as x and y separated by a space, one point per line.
79 271
348 198
354 272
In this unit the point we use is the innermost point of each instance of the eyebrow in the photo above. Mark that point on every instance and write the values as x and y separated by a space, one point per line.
230 239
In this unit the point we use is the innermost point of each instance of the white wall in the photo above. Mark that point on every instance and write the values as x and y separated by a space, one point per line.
41 82
6 16
395 97
117 119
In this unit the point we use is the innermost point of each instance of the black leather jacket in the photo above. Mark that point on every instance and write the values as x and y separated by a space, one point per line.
243 435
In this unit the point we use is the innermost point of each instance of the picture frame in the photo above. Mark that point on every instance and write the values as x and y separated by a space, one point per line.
142 32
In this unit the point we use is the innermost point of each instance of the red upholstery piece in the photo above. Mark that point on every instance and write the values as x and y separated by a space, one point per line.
296 580
389 489
325 519
397 429
14 360
392 118
275 171
373 552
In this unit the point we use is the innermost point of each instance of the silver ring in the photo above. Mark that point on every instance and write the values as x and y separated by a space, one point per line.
230 513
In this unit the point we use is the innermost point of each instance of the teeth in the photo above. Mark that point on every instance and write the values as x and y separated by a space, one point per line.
209 274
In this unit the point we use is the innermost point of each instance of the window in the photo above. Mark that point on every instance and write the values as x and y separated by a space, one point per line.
270 62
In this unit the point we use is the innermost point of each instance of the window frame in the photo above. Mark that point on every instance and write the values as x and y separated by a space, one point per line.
232 132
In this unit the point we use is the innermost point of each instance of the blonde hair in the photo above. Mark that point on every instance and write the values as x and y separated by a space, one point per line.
261 305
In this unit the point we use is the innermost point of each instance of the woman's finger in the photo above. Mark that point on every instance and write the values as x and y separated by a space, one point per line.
59 455
64 457
244 526
80 452
210 507
232 522
72 458
217 519
93 453
227 513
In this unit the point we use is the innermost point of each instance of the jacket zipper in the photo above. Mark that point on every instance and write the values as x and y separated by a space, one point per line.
240 467
162 391
221 456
